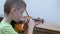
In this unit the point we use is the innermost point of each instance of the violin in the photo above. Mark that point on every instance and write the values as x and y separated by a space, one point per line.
23 24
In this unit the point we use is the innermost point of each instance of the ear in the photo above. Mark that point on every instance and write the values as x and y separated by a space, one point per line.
13 9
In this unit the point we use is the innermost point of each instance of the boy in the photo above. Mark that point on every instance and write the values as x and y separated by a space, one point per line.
13 10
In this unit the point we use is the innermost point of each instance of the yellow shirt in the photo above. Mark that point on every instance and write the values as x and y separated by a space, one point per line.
6 28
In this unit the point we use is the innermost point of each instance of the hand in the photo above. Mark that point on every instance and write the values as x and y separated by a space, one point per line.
38 21
35 22
31 23
31 26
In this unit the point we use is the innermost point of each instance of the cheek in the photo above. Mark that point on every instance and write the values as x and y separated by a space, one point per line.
19 15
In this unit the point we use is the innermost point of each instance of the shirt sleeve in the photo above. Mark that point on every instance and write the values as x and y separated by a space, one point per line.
8 30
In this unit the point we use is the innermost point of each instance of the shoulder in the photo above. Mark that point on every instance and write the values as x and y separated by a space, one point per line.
8 30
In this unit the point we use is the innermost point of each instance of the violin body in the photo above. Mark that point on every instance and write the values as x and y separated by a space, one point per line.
21 27
23 24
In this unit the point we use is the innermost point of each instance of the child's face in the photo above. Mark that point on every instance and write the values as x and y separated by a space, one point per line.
16 14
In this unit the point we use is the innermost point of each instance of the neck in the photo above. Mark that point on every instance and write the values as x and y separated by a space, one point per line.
7 19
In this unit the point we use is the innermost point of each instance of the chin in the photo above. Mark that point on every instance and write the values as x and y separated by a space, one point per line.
18 21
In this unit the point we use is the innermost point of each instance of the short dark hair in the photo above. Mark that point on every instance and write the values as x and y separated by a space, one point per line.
9 3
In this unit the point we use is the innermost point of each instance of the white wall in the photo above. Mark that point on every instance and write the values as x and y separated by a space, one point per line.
2 7
47 9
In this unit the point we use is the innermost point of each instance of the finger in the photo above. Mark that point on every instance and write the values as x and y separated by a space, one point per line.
31 23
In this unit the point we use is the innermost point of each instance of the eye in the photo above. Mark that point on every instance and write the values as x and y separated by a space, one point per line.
21 12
